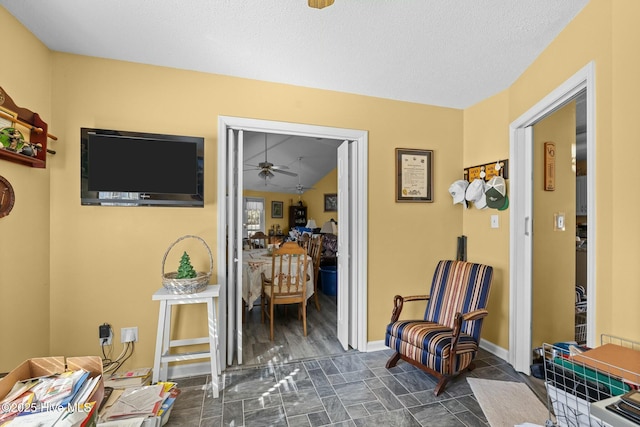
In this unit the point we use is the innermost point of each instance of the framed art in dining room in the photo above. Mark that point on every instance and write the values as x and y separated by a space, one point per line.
277 209
330 202
414 175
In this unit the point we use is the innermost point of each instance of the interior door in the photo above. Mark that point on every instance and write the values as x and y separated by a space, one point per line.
234 252
554 246
344 259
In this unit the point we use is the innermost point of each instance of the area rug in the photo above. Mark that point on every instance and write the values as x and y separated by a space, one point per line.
507 403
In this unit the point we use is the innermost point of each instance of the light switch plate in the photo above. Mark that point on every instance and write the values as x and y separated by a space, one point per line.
495 223
558 221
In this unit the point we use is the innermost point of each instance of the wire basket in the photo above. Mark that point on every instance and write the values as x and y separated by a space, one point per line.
189 285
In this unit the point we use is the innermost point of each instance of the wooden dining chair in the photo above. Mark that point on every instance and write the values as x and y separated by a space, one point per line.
259 240
303 241
287 284
315 252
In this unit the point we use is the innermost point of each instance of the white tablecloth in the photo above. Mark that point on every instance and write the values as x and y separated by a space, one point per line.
254 263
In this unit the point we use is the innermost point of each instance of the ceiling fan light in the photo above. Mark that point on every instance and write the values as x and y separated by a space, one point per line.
265 174
319 4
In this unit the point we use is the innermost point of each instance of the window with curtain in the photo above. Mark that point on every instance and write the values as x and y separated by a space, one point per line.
254 215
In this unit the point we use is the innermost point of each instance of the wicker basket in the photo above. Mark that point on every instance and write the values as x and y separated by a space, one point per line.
190 285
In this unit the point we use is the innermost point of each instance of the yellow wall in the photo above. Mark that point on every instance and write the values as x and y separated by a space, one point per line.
314 199
590 37
24 234
486 133
618 284
605 33
553 308
105 261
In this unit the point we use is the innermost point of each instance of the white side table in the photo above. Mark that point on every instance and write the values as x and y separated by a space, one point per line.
164 342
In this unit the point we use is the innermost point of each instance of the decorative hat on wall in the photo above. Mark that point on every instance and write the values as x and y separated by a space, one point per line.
475 194
496 192
458 190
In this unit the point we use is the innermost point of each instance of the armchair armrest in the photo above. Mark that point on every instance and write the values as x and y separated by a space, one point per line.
457 324
475 315
398 302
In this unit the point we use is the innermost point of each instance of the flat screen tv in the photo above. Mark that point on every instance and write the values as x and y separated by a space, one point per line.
121 168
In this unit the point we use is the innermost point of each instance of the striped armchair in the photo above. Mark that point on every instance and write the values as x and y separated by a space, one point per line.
445 342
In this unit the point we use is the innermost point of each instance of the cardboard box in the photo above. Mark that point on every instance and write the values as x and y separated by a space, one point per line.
41 366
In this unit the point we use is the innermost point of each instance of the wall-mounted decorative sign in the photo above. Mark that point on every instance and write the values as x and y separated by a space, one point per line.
549 166
488 171
414 175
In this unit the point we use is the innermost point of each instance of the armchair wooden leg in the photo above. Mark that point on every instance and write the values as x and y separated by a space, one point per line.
393 360
441 384
471 366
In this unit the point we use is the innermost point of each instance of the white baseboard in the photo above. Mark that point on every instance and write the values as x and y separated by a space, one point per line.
494 349
376 346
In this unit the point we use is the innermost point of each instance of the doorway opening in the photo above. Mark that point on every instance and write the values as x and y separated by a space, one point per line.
352 238
521 215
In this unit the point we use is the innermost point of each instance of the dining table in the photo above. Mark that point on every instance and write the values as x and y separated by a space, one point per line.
258 261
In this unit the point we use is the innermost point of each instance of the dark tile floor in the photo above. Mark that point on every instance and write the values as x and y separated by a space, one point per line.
354 389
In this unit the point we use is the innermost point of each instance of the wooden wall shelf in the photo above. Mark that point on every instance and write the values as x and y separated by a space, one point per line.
22 159
38 133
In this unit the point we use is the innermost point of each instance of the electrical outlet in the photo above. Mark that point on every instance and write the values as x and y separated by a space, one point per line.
105 334
129 334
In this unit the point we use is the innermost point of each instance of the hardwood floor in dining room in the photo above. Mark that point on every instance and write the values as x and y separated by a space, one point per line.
289 342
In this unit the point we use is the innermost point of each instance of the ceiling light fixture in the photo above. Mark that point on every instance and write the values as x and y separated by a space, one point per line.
319 4
266 174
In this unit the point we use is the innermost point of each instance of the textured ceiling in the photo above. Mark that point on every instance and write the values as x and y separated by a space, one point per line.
437 52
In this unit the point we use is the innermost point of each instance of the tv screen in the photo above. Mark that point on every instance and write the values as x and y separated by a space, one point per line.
122 168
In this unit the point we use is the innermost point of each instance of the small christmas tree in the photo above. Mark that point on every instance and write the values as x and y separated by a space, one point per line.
185 271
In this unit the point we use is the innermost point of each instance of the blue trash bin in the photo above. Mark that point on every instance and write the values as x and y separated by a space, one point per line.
329 280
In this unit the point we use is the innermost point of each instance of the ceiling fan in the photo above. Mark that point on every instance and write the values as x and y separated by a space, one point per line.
267 168
301 188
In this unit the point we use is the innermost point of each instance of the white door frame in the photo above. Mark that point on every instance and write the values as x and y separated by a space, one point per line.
521 196
358 306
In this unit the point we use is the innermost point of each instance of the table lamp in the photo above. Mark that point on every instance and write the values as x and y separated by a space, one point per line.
329 227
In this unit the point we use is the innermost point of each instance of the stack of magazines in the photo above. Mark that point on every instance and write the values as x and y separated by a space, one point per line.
628 406
134 378
53 398
148 405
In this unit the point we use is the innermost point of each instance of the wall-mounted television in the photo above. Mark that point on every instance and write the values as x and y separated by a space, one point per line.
122 168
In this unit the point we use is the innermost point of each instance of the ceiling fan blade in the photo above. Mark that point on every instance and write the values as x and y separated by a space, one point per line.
280 167
284 172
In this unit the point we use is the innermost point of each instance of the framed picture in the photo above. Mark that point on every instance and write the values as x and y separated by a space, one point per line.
276 209
330 202
414 175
